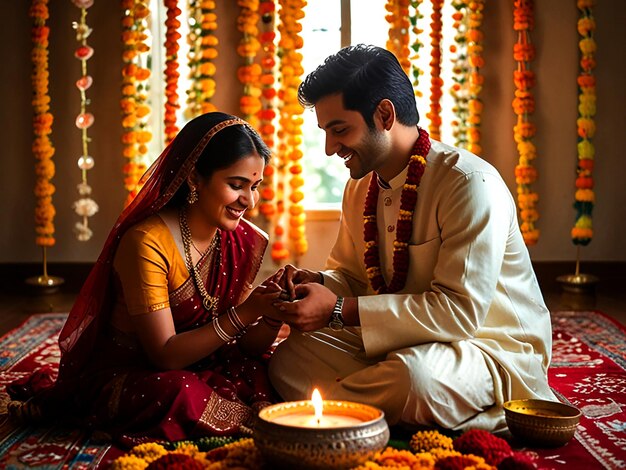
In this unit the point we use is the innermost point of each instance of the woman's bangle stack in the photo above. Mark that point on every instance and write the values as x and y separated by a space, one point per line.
235 321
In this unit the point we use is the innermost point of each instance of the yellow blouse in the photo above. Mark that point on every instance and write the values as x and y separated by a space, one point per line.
148 266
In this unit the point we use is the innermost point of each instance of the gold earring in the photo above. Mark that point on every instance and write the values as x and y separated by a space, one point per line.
192 197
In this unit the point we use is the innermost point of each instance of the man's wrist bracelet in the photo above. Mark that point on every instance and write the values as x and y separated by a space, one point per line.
321 277
336 318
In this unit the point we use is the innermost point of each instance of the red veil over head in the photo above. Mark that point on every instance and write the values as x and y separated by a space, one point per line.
160 182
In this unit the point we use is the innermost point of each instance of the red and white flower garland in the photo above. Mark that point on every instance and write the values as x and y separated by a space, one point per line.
85 206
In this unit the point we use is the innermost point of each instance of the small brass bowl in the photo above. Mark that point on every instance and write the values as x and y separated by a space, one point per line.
288 447
542 423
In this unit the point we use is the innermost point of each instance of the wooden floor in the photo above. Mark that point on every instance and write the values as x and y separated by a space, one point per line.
19 300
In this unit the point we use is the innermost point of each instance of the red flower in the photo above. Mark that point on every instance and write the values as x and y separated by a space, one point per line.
478 442
175 461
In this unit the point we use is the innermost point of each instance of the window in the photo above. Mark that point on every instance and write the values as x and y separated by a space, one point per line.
327 26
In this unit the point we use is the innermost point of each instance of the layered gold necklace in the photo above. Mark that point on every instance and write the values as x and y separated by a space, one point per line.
208 301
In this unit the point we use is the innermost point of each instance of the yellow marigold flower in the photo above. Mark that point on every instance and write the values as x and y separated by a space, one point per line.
586 149
587 46
149 451
584 222
585 195
129 462
425 441
440 453
586 25
587 104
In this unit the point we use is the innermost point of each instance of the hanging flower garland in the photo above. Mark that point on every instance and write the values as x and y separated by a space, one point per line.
172 24
85 206
250 72
134 103
42 147
434 115
290 133
582 232
460 73
267 113
524 130
202 52
476 62
416 45
398 36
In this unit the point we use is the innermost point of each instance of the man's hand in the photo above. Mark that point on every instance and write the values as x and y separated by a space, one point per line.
311 308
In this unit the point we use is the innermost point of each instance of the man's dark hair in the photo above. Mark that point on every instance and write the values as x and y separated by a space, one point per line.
363 75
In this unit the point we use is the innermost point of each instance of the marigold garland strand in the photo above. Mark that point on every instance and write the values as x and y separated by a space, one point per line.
416 44
267 113
202 52
398 36
582 232
460 74
476 62
524 130
290 131
434 114
42 147
404 226
172 24
85 206
250 72
136 111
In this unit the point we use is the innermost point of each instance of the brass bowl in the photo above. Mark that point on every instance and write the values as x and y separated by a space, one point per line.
288 447
541 422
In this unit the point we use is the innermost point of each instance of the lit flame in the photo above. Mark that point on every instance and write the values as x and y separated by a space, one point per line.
318 404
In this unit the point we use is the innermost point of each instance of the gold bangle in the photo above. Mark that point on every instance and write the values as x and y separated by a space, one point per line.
235 320
220 331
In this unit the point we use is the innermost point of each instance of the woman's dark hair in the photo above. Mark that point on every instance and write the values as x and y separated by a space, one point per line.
363 75
225 148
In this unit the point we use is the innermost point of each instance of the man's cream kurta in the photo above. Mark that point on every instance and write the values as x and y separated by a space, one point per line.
470 277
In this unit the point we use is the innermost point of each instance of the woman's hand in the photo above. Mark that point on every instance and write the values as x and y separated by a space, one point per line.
260 301
290 276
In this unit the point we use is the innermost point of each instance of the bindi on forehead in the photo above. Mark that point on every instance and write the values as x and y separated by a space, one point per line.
254 174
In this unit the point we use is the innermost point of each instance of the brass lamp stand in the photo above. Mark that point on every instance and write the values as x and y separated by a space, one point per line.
578 282
46 284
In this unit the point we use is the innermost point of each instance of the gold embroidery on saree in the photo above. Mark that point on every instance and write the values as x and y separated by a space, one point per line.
221 414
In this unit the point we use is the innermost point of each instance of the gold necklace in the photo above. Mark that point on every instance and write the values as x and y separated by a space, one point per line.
208 301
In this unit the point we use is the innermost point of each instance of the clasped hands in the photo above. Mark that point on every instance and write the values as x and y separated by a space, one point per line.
297 297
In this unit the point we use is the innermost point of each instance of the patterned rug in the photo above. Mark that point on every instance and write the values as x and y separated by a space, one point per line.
588 371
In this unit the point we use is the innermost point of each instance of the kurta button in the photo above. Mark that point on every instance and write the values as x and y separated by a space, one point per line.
391 228
387 201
